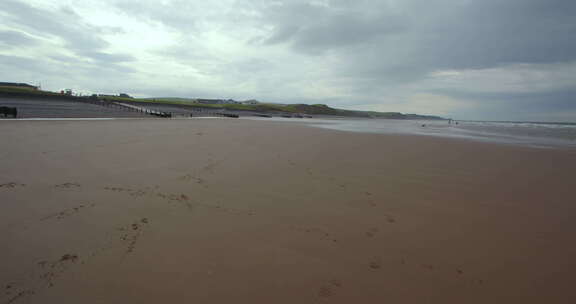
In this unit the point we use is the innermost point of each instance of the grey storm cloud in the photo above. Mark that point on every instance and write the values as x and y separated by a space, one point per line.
22 63
313 29
65 24
16 39
443 56
176 14
379 45
428 35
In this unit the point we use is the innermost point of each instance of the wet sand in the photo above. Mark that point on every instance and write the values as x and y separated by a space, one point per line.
238 211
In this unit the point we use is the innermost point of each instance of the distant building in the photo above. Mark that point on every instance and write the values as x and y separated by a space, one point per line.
216 101
251 102
124 95
209 101
20 85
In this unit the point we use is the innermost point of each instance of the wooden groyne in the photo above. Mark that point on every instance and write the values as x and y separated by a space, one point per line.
144 110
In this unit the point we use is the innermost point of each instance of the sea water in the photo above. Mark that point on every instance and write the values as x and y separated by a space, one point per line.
535 134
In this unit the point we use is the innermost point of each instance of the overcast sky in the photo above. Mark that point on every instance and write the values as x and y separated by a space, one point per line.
468 59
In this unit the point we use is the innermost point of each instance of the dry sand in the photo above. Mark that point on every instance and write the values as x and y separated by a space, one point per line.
238 211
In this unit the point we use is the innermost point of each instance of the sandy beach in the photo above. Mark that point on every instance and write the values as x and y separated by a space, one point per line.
240 211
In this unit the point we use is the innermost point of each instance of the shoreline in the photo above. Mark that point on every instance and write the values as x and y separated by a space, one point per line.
547 139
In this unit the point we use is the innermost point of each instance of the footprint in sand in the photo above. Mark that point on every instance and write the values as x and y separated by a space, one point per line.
52 270
139 193
117 189
372 232
390 219
125 237
68 212
17 294
327 290
67 185
131 234
152 192
190 177
131 192
12 185
186 177
430 267
48 272
228 210
211 166
335 283
375 263
324 235
362 203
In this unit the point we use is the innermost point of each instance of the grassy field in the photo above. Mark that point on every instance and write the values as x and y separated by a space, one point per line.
263 107
24 90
